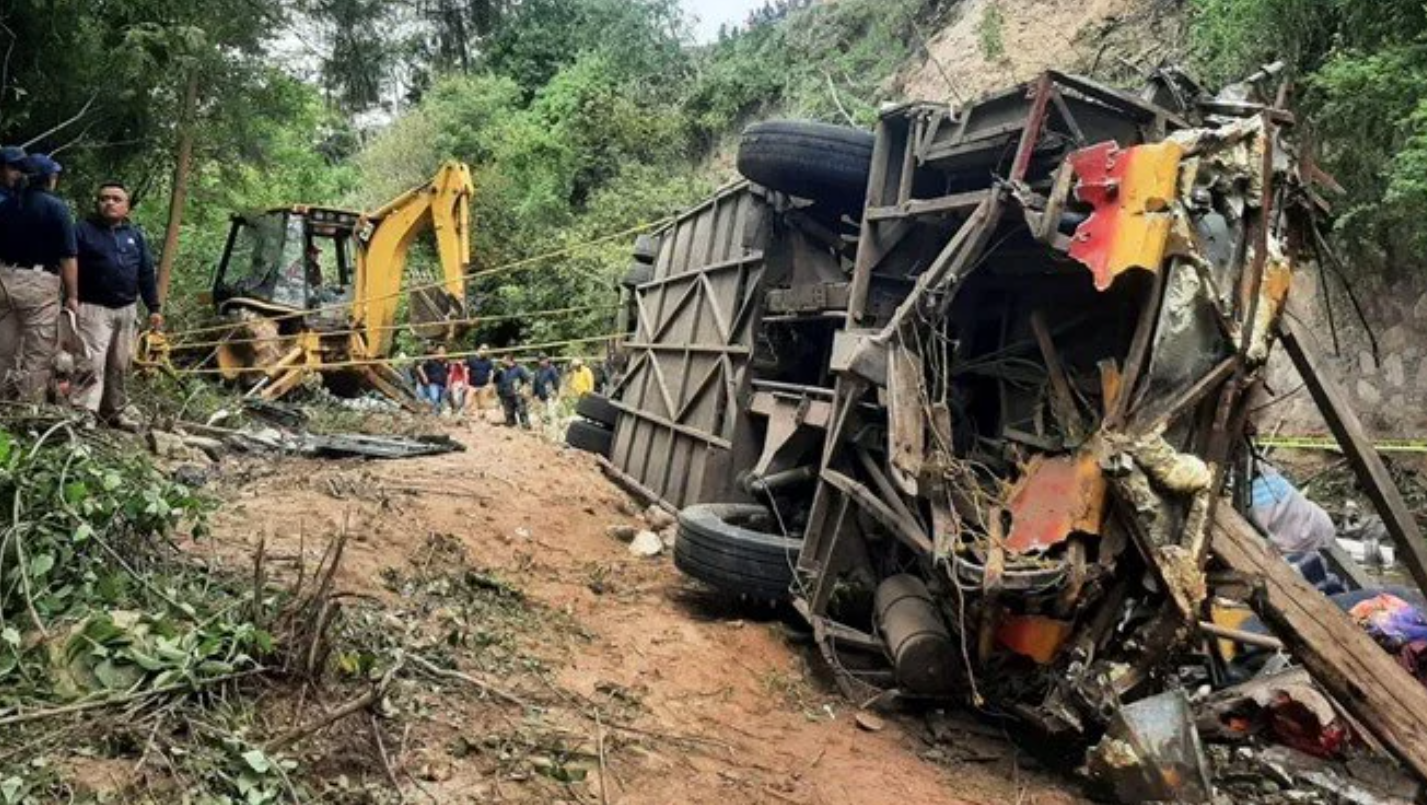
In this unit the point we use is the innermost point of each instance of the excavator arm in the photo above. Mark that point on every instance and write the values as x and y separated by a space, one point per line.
444 206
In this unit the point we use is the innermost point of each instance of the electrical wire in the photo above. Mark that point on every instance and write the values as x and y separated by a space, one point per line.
524 348
389 327
470 275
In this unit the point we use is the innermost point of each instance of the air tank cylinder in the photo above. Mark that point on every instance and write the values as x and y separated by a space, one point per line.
917 640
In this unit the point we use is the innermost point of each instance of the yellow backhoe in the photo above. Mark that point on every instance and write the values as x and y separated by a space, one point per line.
317 290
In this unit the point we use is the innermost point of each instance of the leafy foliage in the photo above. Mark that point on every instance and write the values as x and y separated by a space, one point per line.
1362 72
582 118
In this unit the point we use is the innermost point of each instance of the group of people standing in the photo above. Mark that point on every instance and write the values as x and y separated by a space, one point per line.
467 385
92 273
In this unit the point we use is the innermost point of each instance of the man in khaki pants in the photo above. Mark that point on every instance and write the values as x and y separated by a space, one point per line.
115 269
37 271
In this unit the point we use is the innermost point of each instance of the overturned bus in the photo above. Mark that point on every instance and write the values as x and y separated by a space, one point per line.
973 389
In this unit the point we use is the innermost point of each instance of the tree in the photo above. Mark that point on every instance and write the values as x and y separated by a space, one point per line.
1361 70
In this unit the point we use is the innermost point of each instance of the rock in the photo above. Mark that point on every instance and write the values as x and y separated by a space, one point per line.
522 533
668 536
1368 393
1393 338
658 519
1366 364
191 475
1419 310
646 543
623 533
1393 371
626 507
167 445
867 721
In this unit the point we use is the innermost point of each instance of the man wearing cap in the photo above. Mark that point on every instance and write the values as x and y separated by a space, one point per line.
38 278
12 172
116 269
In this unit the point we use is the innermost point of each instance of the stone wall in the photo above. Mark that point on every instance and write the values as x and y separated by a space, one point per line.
1389 391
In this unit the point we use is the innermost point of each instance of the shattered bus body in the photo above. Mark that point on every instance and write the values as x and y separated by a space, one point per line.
974 391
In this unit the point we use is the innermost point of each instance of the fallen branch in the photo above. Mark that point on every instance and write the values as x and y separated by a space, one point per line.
61 126
354 706
386 760
480 684
599 748
127 698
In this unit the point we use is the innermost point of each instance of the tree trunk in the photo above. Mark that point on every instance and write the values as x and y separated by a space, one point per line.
178 193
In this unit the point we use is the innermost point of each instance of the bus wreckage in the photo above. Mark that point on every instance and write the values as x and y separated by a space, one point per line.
974 392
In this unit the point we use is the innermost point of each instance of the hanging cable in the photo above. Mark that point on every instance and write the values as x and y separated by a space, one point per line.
414 358
470 275
440 323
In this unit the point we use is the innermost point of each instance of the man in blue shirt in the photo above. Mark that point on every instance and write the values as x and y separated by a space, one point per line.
37 271
12 172
547 388
482 372
115 270
509 384
431 377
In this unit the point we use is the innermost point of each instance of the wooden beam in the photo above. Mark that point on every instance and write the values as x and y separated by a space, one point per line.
1359 674
1367 465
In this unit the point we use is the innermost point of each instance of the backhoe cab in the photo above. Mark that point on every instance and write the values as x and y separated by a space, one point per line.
317 290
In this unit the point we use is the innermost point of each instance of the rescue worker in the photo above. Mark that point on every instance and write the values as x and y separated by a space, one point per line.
116 269
582 380
12 172
547 388
482 373
431 379
38 278
509 385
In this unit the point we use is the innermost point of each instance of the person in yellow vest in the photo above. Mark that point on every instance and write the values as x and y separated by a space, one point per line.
582 380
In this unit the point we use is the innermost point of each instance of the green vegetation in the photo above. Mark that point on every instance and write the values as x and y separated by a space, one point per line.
575 132
1361 76
990 31
580 117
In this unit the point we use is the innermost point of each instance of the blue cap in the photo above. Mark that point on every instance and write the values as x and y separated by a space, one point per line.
12 155
42 165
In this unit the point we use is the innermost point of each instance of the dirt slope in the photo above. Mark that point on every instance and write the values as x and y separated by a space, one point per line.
720 707
988 45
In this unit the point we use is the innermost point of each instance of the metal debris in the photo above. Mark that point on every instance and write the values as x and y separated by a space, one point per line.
1013 397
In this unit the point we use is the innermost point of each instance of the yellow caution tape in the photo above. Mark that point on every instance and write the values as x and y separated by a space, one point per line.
1329 443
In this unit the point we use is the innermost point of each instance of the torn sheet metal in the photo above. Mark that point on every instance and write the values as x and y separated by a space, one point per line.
1057 496
1131 191
1034 636
1151 753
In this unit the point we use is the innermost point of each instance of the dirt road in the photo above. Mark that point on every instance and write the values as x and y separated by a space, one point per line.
717 705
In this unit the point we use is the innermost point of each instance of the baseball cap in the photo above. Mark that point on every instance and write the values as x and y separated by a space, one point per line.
42 165
12 155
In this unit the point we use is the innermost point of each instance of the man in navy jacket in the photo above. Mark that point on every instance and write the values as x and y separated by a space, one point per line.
115 271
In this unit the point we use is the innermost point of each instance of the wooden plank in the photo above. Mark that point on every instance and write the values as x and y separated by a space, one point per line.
1367 465
1062 400
906 425
1360 675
